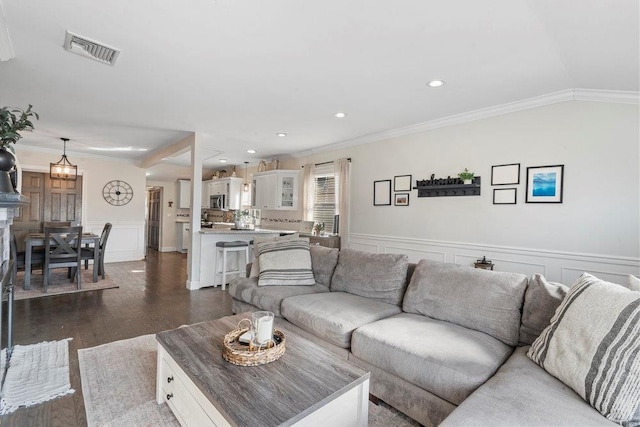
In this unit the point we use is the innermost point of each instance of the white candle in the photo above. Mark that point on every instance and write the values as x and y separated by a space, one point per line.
265 329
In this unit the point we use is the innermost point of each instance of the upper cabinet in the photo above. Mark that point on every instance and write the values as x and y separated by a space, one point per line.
231 188
276 190
184 193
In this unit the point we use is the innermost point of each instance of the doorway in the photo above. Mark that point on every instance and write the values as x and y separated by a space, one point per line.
52 200
154 200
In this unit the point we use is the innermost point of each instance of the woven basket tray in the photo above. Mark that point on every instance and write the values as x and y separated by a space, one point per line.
238 353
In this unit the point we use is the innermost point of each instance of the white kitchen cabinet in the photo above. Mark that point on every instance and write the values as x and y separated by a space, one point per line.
184 193
231 188
276 190
183 236
206 193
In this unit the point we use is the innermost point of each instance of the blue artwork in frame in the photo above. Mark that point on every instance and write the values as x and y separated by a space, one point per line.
545 184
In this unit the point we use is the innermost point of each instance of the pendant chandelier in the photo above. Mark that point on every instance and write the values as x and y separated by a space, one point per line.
246 184
63 169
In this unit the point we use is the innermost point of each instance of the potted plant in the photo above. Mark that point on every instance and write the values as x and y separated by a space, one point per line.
244 220
12 122
466 176
318 228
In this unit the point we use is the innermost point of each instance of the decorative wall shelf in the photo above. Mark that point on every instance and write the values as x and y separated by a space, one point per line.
444 187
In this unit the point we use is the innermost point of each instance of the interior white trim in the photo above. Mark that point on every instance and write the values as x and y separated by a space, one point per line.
557 266
613 96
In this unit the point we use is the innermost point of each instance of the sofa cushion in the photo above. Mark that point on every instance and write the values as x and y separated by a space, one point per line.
593 346
381 277
541 300
334 316
523 394
487 301
633 283
443 358
268 297
285 263
323 262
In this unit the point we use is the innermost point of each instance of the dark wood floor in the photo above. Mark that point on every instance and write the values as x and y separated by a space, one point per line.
152 297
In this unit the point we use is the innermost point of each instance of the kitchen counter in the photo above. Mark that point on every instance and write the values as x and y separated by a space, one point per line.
208 239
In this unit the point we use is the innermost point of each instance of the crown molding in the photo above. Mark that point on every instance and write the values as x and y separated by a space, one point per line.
613 96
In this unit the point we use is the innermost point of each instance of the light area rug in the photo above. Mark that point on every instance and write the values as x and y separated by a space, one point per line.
60 284
37 373
119 380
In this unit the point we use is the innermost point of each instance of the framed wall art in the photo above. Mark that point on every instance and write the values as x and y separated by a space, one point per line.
505 196
382 192
402 183
401 199
545 184
505 174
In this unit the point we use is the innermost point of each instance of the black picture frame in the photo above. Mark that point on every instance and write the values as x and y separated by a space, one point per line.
508 174
402 183
545 184
401 199
382 192
505 196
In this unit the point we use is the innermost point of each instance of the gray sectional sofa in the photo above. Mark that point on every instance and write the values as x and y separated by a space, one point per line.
444 343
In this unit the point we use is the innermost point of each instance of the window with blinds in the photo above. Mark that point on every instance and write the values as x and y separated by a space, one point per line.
324 207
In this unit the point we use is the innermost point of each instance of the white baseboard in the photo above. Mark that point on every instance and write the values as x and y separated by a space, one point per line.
564 267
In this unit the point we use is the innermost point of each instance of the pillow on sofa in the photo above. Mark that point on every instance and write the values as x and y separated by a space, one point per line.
634 283
285 262
593 346
255 266
486 301
323 263
541 300
382 277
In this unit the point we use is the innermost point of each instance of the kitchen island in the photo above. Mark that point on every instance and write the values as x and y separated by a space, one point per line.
210 236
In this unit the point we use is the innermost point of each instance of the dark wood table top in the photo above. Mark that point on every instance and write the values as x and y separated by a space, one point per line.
304 379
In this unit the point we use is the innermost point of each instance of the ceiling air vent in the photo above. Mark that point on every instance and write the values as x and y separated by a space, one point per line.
90 49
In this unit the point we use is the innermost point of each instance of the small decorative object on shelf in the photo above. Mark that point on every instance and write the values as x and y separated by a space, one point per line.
441 187
484 263
466 176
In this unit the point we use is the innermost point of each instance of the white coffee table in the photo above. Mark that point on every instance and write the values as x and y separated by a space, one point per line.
307 386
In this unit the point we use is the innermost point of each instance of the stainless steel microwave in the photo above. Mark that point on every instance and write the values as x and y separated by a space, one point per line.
218 201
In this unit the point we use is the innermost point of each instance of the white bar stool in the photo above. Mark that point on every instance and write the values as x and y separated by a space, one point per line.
222 248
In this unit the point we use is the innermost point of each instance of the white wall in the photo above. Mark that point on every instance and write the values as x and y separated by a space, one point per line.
126 241
596 227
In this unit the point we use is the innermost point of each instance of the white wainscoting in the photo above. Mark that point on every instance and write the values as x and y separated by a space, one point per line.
564 267
126 240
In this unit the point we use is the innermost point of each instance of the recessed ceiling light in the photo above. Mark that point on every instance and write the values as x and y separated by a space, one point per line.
251 151
223 160
281 134
340 115
435 83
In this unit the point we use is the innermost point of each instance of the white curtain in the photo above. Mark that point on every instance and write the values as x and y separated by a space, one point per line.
309 191
343 184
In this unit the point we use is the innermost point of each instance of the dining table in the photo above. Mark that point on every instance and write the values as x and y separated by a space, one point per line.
37 239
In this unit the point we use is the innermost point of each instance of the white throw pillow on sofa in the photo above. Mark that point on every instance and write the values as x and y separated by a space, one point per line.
593 346
285 262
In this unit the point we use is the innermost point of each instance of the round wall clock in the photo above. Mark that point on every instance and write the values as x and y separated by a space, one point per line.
117 193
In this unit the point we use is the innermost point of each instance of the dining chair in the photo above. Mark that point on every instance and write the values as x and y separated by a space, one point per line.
37 257
88 253
62 248
56 224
